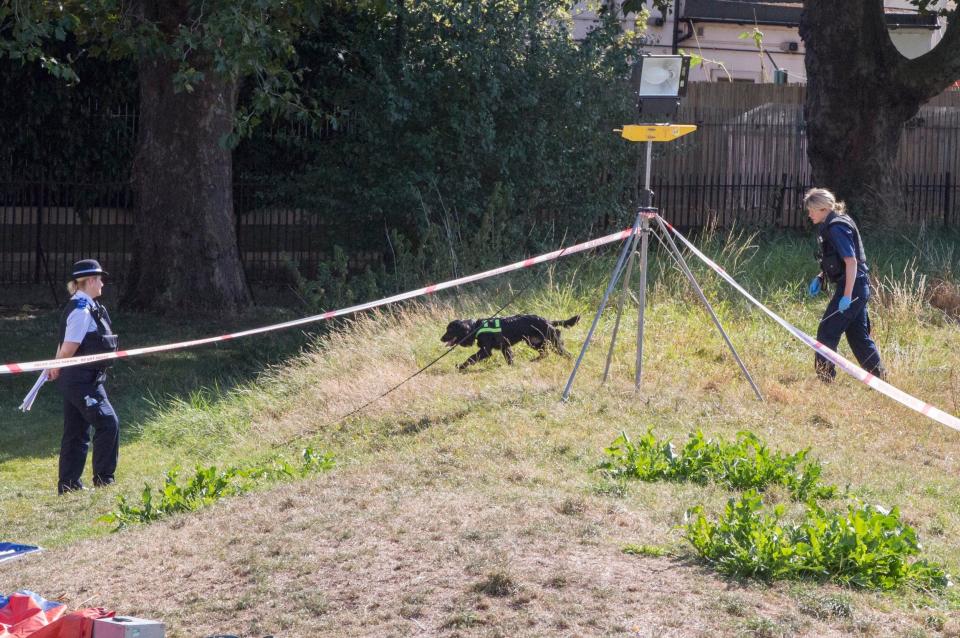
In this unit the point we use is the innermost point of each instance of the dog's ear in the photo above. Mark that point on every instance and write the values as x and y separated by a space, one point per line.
467 332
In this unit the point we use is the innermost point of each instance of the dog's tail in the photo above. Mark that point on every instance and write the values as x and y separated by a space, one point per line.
568 323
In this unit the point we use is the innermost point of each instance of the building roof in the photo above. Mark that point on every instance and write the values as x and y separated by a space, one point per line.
782 13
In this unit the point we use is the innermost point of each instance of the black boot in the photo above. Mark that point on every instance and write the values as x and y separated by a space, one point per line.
103 481
65 487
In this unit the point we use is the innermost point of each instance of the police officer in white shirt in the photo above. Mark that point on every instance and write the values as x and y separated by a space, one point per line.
84 330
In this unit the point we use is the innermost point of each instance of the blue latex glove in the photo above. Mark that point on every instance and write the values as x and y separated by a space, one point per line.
845 302
815 286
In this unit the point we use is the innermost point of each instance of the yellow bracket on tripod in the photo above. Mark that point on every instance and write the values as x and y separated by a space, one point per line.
655 132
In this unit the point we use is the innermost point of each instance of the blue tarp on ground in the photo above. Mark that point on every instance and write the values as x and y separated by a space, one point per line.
9 551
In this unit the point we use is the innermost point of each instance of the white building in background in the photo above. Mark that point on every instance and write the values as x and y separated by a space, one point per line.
712 29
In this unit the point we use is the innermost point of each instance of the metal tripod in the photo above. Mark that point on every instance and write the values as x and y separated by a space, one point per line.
641 233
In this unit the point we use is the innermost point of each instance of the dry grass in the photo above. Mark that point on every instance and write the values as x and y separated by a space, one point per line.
463 504
355 556
945 296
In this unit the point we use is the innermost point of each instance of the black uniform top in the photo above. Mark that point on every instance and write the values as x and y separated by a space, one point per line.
97 341
839 237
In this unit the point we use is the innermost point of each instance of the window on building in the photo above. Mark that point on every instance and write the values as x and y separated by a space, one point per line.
746 77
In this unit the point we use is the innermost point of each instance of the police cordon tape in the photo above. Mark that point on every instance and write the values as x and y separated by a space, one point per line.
855 371
847 366
16 368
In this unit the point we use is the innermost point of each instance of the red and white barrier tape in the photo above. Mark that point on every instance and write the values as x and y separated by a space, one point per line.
847 366
16 368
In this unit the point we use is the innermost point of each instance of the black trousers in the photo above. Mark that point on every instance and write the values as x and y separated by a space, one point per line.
854 322
85 405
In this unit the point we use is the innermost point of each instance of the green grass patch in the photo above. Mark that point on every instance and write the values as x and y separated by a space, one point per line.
746 463
644 550
825 606
208 485
497 584
865 547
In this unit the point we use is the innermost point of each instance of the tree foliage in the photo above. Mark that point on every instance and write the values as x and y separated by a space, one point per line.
464 132
190 56
60 132
232 38
471 131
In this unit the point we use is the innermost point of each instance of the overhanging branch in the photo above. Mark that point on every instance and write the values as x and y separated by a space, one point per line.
932 72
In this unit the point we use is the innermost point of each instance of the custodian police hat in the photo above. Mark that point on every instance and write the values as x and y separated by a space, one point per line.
87 268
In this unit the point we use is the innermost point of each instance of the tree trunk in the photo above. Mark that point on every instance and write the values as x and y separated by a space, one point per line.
185 255
853 111
860 92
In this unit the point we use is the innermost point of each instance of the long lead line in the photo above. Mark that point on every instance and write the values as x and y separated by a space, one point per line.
465 339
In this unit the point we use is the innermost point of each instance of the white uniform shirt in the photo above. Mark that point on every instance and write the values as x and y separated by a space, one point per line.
80 321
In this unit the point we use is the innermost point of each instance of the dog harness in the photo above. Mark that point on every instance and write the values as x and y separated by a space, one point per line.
489 325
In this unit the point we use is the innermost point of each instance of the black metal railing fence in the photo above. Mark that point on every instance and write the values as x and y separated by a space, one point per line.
45 227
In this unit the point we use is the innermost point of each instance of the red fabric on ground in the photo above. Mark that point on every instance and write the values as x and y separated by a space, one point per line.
24 614
78 624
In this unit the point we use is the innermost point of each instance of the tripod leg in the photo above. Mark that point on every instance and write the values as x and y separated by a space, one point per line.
642 302
693 282
623 297
627 245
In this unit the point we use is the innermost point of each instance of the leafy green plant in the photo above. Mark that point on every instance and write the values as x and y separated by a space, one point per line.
746 463
756 35
207 485
865 547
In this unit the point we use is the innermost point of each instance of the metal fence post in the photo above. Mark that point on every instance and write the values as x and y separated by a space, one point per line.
947 190
38 247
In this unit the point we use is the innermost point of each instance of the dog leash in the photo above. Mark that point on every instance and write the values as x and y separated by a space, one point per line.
464 339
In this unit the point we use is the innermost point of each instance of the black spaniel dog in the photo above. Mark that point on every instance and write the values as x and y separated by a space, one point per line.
501 333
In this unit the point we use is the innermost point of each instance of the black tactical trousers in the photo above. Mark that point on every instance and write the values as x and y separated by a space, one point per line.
854 322
85 404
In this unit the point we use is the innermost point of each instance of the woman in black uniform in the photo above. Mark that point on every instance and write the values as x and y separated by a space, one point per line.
84 330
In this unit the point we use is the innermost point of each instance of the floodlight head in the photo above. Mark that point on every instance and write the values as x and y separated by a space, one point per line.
659 81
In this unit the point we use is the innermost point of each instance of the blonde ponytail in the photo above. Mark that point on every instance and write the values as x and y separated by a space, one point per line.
822 197
75 285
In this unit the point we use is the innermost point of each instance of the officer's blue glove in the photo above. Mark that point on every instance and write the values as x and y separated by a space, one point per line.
845 302
815 285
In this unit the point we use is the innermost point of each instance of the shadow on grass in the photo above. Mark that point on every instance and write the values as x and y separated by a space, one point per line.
140 386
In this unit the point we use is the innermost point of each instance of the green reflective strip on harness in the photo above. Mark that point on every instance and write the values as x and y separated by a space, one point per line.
486 327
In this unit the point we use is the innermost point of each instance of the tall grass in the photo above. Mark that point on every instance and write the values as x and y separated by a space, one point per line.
467 467
225 403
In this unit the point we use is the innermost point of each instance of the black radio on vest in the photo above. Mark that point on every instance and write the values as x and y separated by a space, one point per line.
831 263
